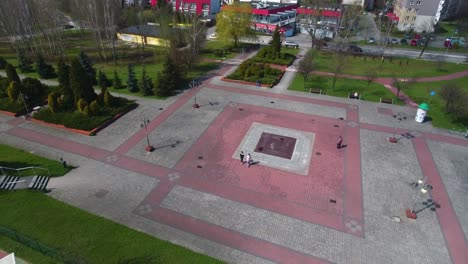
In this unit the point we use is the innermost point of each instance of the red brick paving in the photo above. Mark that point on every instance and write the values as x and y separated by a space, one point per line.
268 188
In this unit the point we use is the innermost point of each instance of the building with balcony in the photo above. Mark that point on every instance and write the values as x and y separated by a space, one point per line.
266 18
326 22
422 15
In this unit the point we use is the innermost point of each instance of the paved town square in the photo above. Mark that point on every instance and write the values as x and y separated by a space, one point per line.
302 200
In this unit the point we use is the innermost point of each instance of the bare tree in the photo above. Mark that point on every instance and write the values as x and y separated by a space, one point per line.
371 75
429 29
307 65
338 62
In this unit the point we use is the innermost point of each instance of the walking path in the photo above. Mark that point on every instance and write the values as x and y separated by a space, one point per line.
193 191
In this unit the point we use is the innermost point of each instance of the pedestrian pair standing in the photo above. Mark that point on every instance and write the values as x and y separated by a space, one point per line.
248 159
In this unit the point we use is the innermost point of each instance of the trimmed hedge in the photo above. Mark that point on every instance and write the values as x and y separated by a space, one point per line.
79 121
252 71
264 55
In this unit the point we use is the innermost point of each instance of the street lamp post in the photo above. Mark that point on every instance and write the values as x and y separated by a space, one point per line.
399 117
194 84
144 124
423 188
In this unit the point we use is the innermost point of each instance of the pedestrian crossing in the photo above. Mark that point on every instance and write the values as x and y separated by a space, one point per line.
10 183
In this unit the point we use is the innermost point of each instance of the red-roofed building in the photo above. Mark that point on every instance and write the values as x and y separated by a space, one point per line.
326 22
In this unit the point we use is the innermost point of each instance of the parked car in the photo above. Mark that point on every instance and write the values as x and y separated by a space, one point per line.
371 40
417 36
354 48
213 36
414 42
407 36
403 41
394 41
291 44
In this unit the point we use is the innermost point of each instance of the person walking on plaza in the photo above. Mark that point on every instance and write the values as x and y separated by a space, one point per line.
242 157
248 160
340 141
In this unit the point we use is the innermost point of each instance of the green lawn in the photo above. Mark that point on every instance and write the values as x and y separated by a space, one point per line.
17 158
419 92
360 65
418 48
72 230
343 87
25 252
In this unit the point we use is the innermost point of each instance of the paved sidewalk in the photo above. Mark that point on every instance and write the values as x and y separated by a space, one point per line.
192 190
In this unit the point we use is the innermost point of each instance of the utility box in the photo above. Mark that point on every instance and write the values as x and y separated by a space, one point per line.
421 113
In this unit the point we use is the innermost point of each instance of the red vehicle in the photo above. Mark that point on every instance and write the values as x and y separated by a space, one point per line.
414 42
417 36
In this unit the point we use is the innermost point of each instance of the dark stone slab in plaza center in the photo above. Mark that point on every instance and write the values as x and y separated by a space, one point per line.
276 145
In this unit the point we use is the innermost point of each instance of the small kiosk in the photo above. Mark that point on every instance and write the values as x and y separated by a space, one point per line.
421 113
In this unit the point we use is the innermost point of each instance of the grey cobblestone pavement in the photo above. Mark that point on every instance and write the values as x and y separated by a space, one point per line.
387 170
452 163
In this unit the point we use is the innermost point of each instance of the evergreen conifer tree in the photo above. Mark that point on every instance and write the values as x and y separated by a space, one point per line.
24 63
132 82
146 83
3 63
103 81
117 82
45 71
276 43
88 66
63 72
11 73
167 79
80 84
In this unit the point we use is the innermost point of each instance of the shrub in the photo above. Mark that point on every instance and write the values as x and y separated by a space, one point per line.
13 91
52 101
81 105
32 87
24 63
45 71
108 99
94 108
11 73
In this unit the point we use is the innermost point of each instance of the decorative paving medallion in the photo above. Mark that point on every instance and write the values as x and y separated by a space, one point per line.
144 209
276 145
173 176
384 111
281 148
352 124
112 158
353 226
101 193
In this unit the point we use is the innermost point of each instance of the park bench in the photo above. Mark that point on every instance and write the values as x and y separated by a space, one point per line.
386 100
351 96
316 90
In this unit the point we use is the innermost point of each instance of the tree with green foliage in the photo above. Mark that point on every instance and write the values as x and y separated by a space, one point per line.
80 84
167 80
11 73
116 82
103 81
13 91
233 22
146 84
52 101
132 82
88 67
455 101
24 63
45 71
32 87
109 99
94 107
82 106
63 75
276 42
3 63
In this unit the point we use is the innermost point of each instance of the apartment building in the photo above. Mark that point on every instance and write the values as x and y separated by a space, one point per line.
418 15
